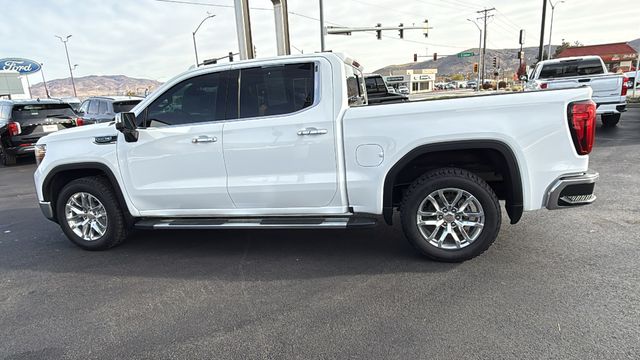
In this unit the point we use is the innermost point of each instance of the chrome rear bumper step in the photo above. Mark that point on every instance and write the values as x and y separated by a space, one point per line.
256 223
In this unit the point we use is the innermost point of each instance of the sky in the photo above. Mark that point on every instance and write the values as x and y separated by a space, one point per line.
153 38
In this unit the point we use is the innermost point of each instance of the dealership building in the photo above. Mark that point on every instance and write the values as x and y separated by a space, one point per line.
416 80
618 57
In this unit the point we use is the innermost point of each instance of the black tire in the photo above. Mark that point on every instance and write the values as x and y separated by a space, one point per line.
610 120
6 159
99 187
450 178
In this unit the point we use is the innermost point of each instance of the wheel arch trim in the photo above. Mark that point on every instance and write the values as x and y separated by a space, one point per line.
514 202
48 180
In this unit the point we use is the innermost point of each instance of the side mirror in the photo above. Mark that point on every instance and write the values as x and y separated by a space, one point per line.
126 124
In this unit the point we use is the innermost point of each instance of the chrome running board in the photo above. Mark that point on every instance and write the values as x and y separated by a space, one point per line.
256 223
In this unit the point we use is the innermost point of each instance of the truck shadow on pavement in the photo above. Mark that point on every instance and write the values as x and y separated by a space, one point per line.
252 255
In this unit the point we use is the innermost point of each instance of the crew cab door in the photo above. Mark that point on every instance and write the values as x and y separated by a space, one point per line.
176 167
281 152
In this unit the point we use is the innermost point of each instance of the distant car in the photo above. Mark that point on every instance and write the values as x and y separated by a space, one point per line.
100 109
24 122
472 84
391 90
403 90
378 91
450 86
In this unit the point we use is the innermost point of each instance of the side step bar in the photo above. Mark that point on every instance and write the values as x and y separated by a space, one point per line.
256 223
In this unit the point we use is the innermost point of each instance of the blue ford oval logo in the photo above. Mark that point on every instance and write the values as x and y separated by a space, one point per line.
23 66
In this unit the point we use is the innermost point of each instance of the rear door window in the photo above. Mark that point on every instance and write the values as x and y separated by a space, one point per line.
356 94
571 68
276 90
102 107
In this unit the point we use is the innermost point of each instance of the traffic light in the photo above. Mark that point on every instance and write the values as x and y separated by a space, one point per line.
230 56
426 28
495 62
475 67
435 56
401 31
379 32
415 57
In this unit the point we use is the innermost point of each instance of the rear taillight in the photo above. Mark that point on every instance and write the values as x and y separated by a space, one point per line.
543 85
79 122
14 128
625 86
582 123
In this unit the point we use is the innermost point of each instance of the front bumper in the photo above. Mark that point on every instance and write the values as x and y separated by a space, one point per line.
571 190
47 210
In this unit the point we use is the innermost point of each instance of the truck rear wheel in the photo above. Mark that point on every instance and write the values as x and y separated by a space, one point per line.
6 159
450 215
89 214
610 120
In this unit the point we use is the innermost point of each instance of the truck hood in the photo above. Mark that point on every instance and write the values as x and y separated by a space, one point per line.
80 132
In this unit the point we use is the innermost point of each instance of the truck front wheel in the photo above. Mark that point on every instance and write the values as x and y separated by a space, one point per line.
450 215
610 120
89 214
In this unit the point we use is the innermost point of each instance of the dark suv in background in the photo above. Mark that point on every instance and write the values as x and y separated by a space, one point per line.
100 109
24 122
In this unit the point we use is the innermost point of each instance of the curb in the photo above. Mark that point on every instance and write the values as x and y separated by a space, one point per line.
633 105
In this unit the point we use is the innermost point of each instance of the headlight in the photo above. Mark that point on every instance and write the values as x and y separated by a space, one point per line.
40 151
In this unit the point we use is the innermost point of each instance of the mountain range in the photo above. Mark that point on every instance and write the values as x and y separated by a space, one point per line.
94 85
450 65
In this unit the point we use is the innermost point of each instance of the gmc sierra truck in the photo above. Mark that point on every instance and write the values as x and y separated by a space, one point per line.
288 143
609 90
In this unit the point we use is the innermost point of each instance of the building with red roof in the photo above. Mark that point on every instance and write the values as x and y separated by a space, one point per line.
619 57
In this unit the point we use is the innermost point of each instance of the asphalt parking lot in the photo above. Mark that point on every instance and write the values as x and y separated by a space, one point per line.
558 285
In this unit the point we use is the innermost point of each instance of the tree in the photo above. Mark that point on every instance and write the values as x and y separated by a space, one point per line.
130 93
565 45
457 77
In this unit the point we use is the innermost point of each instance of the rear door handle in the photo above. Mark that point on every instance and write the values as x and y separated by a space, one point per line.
204 139
311 131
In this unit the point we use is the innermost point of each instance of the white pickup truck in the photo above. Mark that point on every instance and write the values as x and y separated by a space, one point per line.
288 143
609 90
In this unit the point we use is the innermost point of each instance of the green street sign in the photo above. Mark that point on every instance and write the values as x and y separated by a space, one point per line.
466 54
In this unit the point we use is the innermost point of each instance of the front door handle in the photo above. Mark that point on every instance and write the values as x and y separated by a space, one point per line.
204 139
311 131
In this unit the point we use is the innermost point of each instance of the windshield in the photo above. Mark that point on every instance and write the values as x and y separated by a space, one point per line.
124 106
41 111
571 68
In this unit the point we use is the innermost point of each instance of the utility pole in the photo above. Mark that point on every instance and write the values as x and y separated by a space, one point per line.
195 49
544 16
321 27
553 8
484 48
64 41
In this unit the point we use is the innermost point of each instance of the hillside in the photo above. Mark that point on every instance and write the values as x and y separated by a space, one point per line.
453 65
93 85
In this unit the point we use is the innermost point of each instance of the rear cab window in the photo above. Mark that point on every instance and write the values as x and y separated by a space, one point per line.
356 91
570 68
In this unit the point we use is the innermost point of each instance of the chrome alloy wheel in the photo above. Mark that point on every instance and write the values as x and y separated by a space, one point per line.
86 216
450 218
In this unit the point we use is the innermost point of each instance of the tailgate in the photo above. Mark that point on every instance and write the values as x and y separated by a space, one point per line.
606 88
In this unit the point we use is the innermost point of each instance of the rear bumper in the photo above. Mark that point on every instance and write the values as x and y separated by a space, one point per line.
611 108
571 190
20 150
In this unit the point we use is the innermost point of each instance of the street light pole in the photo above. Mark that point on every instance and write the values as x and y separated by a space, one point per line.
64 41
553 7
46 90
195 48
479 51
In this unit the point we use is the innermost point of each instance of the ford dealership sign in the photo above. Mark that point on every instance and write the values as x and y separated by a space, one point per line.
23 66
